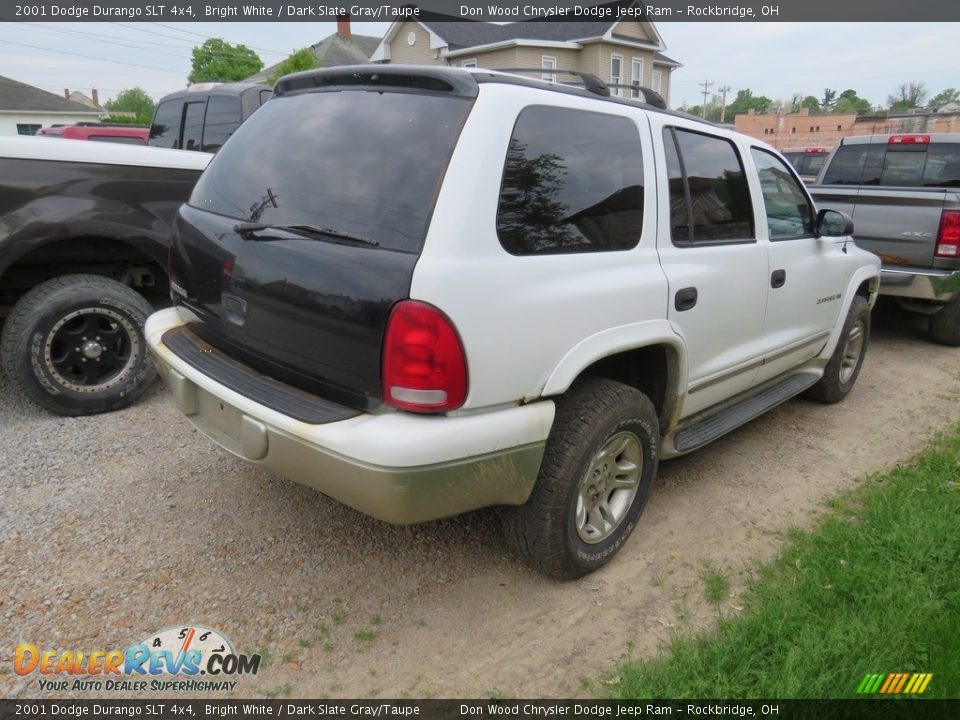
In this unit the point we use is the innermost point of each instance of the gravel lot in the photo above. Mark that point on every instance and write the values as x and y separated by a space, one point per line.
113 527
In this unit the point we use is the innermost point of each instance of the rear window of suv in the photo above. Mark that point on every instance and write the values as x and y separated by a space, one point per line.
361 163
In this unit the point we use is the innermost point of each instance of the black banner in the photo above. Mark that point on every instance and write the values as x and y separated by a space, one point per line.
467 10
445 709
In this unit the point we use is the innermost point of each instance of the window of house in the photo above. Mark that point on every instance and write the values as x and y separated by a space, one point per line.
572 183
223 117
548 62
656 81
472 63
616 73
789 212
27 128
839 127
636 74
709 196
818 128
793 130
165 131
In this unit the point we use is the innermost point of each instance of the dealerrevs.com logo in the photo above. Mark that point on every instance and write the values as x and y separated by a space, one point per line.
170 660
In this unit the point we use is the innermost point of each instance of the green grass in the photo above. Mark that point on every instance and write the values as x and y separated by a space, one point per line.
873 588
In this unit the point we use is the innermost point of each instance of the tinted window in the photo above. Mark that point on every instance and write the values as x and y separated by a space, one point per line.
223 117
807 163
363 163
714 189
679 220
853 164
193 125
789 213
572 182
115 139
165 131
933 165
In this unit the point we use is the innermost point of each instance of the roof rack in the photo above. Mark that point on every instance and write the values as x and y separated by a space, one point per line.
651 97
591 82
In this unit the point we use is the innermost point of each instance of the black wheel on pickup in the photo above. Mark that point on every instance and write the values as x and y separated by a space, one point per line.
75 344
945 324
595 478
844 367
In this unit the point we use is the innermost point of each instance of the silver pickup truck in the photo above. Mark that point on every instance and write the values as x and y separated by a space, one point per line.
903 193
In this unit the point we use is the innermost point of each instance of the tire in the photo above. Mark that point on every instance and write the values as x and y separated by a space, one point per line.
75 344
557 531
945 325
844 367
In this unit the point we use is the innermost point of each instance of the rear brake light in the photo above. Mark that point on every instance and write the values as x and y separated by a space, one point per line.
909 140
424 366
815 150
948 238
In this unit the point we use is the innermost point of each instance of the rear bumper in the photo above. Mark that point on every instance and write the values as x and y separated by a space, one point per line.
397 467
929 284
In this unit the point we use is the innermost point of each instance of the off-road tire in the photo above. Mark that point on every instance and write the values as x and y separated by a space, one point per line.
589 415
837 380
945 324
41 326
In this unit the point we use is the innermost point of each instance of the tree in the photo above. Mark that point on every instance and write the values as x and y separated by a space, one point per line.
950 95
810 103
302 59
850 103
828 99
746 100
132 100
907 95
219 61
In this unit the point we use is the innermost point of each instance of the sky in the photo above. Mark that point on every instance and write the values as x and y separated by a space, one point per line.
773 59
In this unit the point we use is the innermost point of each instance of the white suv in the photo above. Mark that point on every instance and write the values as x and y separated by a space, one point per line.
428 290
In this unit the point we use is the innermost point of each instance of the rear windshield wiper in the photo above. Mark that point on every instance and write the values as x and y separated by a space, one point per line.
249 230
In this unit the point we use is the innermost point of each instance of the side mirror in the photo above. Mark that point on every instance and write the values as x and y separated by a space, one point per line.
833 223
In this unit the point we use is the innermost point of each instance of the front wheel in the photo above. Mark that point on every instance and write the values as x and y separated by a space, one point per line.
75 344
844 366
945 324
595 478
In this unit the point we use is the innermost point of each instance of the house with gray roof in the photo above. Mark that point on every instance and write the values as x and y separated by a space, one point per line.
620 52
24 109
341 48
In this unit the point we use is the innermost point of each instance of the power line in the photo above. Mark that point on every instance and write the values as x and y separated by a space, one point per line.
92 57
706 85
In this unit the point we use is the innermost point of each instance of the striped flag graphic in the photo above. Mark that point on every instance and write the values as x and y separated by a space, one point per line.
894 683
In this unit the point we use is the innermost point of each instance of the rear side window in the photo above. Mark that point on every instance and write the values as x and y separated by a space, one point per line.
165 131
855 164
572 183
934 165
223 117
363 164
707 177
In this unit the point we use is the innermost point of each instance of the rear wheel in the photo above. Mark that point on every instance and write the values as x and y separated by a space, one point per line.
595 478
75 344
844 367
945 324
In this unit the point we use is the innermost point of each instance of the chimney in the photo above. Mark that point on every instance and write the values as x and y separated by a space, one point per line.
66 93
343 27
95 96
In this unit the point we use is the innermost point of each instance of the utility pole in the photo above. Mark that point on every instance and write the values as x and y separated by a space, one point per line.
706 89
723 107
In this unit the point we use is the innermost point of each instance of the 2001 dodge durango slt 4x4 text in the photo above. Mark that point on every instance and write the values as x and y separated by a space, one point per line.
428 290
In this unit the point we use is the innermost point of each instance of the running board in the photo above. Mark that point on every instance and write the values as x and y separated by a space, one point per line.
713 427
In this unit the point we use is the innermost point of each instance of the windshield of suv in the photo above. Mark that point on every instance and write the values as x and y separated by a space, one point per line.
361 163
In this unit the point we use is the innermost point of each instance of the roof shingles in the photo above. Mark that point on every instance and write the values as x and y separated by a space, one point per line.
18 96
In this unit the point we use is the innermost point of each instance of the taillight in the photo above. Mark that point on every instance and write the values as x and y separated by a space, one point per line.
948 238
815 150
909 140
424 367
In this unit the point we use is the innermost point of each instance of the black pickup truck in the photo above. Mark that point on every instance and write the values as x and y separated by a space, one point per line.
903 193
84 235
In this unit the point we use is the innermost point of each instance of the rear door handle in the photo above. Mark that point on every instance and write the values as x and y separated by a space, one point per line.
685 299
778 278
